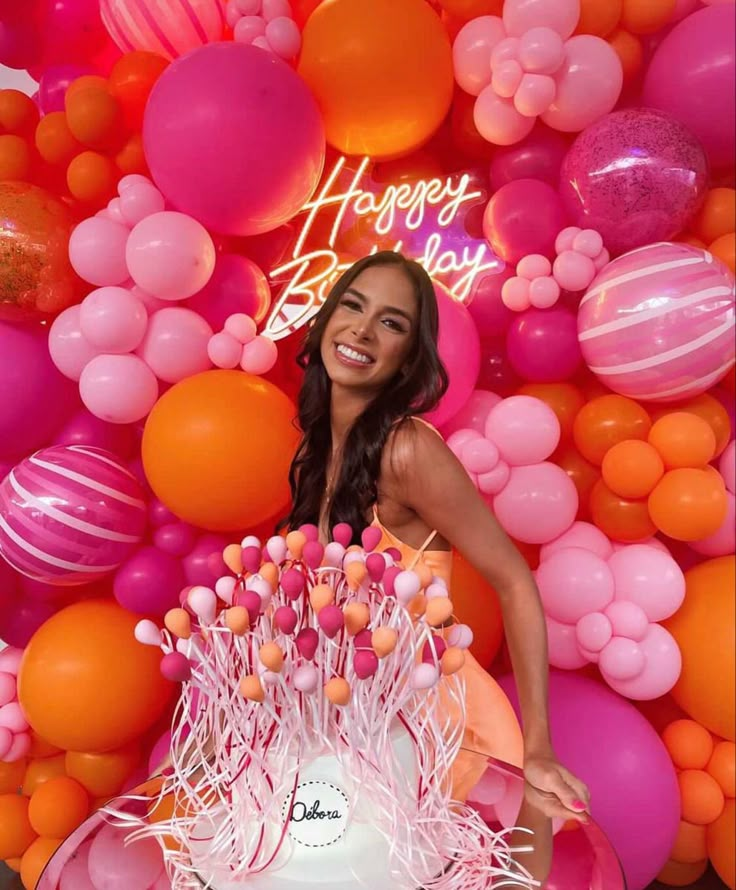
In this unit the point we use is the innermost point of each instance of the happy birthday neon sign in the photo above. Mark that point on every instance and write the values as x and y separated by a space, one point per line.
309 274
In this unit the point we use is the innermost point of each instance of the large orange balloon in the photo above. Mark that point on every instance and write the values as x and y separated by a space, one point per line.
605 421
131 81
689 504
381 71
705 630
565 399
623 519
476 604
217 449
86 683
721 848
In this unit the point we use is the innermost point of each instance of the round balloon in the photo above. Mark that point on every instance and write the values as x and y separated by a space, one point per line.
247 124
70 515
658 323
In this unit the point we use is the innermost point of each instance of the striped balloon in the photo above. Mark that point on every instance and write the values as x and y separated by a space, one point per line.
167 27
657 324
70 514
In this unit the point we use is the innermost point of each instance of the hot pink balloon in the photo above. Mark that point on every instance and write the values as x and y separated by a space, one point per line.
537 504
542 346
118 388
486 307
175 344
112 319
97 251
75 874
524 216
537 156
69 349
650 578
524 429
560 15
83 428
573 582
471 52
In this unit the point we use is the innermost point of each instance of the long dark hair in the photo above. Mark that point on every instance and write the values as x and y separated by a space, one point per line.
416 389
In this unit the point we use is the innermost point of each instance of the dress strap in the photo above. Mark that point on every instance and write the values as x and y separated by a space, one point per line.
420 553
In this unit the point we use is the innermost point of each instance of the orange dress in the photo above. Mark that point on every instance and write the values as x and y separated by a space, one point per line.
491 726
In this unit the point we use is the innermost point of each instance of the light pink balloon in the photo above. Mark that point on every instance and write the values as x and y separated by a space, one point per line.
723 541
538 503
75 873
118 388
97 251
6 741
727 466
284 36
562 646
507 76
113 866
573 271
627 619
471 52
8 688
139 200
19 747
593 631
12 717
494 480
170 255
113 319
175 344
524 429
541 51
224 350
580 534
588 84
259 356
560 15
535 94
544 292
649 578
248 28
473 414
498 121
661 670
621 659
70 351
573 582
151 303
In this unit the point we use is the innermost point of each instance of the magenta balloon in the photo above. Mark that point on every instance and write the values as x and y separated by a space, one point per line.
233 137
237 285
83 428
496 372
605 741
20 43
53 85
204 564
692 76
538 156
543 345
175 538
491 316
20 618
34 397
637 176
149 582
524 216
72 30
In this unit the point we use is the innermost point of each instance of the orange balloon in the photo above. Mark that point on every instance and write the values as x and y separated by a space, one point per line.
688 504
599 17
625 520
95 117
16 832
690 845
583 474
14 864
565 399
722 766
630 51
54 139
85 82
689 744
36 858
646 16
103 775
18 113
131 81
705 630
476 604
683 440
710 410
682 874
130 158
632 468
92 177
86 683
11 776
721 848
217 449
605 421
381 71
717 216
41 770
41 748
57 807
15 158
725 249
701 797
470 9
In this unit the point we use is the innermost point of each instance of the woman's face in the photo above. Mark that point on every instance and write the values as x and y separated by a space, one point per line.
372 330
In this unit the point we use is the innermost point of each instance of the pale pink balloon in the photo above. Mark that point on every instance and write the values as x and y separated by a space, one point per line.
19 747
559 15
541 51
524 429
224 350
574 582
170 255
273 9
723 541
593 631
6 741
97 251
471 52
538 503
284 36
139 200
544 292
580 534
516 294
627 619
621 659
533 265
588 84
259 356
562 646
507 77
535 94
649 578
498 121
70 351
480 456
75 873
573 271
8 688
494 480
175 344
113 319
473 414
661 670
249 28
113 866
727 466
118 388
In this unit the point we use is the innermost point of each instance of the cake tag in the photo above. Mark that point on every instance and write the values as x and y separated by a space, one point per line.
318 815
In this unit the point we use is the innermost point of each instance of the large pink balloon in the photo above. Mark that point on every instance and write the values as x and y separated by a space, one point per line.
237 285
524 429
542 345
538 503
573 582
175 344
471 52
524 216
118 388
113 866
234 138
650 578
692 76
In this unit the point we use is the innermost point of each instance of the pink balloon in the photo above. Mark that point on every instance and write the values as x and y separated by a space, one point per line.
649 578
662 666
573 582
259 356
20 618
541 51
175 344
727 466
573 271
473 414
560 15
283 36
562 646
170 255
113 319
486 308
621 659
525 430
588 85
113 866
472 49
149 582
627 619
584 535
496 372
118 388
237 285
524 216
224 350
97 251
593 631
723 541
498 121
84 428
537 156
139 200
543 345
538 503
75 874
70 351
534 94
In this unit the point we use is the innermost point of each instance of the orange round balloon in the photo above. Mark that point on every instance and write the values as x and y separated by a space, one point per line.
605 421
54 139
722 766
565 399
583 474
41 770
41 748
688 504
682 874
36 858
646 16
381 71
721 848
689 744
710 410
623 519
103 775
15 158
701 797
11 776
683 440
85 82
86 683
632 468
57 807
599 17
36 277
18 113
217 449
476 604
690 845
131 81
95 117
92 177
725 249
705 630
130 158
16 832
717 216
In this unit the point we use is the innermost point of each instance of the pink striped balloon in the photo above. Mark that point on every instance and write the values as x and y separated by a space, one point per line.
657 323
167 27
70 514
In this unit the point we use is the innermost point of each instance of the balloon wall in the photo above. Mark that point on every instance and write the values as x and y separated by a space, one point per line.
175 201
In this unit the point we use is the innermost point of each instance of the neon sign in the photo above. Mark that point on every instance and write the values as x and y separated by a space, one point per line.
308 275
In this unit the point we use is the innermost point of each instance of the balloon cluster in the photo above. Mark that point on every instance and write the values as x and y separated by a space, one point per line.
239 344
267 24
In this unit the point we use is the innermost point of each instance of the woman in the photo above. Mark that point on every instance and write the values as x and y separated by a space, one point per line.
371 366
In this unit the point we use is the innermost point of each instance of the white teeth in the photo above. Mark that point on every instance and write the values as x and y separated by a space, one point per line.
355 356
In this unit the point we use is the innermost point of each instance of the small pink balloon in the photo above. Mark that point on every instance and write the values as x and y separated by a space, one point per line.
593 631
650 578
306 678
118 388
498 121
566 238
533 265
562 644
175 344
573 271
232 14
12 717
433 650
561 16
406 586
365 663
472 49
139 200
663 664
627 620
203 602
525 430
424 676
148 633
276 547
331 620
274 9
284 36
69 349
473 414
494 480
541 51
313 553
19 747
588 242
247 7
460 636
292 583
8 689
224 350
621 659
112 319
507 76
242 327
371 538
6 741
285 619
175 667
480 456
506 50
97 251
544 292
10 659
515 294
534 95
259 356
114 866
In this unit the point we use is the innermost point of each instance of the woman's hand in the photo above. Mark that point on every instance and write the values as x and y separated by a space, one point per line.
554 789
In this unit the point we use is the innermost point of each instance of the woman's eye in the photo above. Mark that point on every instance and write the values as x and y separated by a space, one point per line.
393 324
351 304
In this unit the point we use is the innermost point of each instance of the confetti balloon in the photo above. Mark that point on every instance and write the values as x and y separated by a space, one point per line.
36 277
658 323
70 515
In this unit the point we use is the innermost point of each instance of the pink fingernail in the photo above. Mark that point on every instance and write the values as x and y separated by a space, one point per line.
578 804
